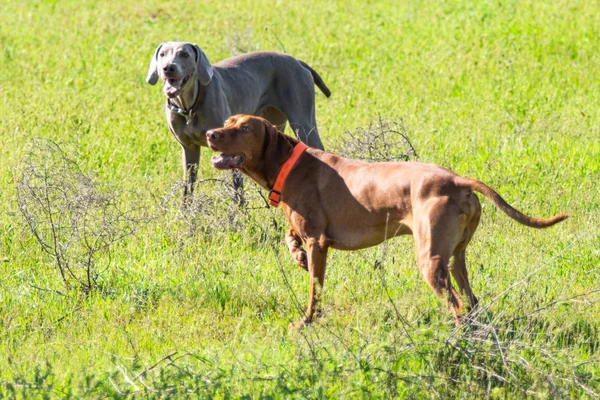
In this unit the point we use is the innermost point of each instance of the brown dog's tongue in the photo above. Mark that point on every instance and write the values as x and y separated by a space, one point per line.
224 161
217 161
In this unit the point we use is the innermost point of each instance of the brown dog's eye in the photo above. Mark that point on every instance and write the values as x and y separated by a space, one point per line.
245 128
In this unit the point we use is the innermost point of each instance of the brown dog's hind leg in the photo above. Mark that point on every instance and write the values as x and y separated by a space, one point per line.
435 272
293 242
438 230
317 258
459 267
460 275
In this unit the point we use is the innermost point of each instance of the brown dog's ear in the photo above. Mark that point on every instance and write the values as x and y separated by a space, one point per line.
277 148
271 139
152 76
203 68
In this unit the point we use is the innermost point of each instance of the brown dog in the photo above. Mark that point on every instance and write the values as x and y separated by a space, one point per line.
332 201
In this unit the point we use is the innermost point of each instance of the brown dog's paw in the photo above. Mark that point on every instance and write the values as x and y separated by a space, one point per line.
297 325
298 253
299 256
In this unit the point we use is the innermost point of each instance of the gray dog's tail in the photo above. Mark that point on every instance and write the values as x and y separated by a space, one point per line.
499 202
318 81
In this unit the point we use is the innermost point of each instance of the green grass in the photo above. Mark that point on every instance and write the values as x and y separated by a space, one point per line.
506 92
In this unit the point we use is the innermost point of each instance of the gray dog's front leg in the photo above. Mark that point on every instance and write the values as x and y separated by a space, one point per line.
190 159
238 187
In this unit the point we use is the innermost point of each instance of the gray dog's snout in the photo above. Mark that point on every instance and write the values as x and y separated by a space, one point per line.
170 68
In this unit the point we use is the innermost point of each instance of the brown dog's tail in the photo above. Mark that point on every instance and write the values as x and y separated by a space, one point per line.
318 81
499 202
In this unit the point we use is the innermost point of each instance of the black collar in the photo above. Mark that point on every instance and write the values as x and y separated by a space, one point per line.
189 113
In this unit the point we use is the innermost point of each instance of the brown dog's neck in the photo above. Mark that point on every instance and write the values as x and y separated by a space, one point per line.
275 155
277 148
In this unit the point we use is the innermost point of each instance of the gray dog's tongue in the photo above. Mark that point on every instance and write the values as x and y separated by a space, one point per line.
172 87
172 91
224 161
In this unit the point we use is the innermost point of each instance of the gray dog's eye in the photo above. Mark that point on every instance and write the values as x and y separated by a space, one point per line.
184 54
162 54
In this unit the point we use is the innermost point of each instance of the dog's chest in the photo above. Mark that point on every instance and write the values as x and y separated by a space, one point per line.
190 131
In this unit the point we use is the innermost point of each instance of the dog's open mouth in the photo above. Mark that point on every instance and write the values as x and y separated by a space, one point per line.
227 161
173 87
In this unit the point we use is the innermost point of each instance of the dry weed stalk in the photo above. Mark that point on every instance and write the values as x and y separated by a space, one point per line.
74 219
380 141
216 207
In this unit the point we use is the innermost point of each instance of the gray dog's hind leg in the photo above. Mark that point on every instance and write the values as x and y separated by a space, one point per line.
307 132
303 121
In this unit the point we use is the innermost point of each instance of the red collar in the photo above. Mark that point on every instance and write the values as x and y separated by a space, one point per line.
286 168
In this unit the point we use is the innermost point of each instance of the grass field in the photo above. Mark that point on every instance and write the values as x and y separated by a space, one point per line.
506 92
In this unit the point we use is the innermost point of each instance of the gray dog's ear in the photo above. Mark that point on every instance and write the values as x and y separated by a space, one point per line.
203 68
152 76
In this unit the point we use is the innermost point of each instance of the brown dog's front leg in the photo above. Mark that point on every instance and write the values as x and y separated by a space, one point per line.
293 242
190 158
317 259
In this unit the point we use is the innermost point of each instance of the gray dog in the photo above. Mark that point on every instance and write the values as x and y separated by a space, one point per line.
200 96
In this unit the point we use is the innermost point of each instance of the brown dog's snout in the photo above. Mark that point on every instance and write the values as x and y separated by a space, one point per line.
212 134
